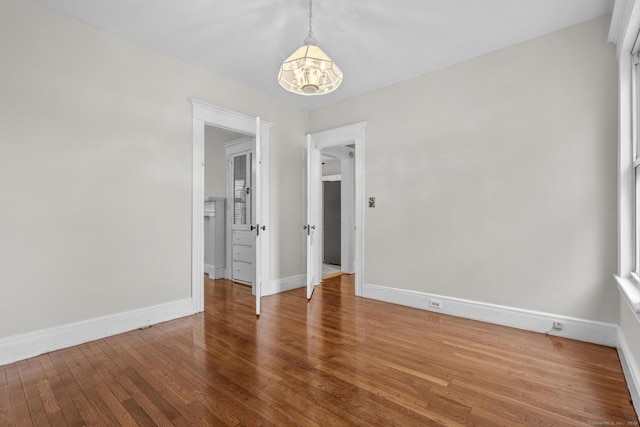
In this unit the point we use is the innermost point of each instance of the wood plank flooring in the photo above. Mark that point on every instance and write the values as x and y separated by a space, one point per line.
337 360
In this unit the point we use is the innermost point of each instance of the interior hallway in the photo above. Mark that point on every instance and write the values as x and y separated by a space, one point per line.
337 360
330 270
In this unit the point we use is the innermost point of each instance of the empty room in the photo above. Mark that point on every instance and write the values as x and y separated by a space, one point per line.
319 213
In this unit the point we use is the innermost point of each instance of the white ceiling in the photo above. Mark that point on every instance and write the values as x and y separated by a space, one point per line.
376 43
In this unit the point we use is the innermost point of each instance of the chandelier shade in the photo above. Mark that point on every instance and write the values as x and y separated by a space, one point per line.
309 71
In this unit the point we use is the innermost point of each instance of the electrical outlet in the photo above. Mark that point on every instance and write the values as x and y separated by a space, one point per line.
558 325
434 303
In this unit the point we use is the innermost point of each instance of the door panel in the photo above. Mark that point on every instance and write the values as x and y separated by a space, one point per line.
260 228
314 223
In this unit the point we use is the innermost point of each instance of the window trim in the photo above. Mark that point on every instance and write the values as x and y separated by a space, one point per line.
624 30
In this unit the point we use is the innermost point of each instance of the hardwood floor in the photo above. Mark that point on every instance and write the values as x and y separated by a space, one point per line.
338 360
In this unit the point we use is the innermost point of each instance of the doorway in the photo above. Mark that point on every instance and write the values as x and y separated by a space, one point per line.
349 138
208 114
338 210
216 201
229 206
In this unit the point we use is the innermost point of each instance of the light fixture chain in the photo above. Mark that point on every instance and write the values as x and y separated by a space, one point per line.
310 18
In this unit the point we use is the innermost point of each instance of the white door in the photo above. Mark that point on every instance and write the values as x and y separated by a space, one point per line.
258 225
313 227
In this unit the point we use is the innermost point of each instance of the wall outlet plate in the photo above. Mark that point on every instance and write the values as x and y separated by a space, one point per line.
558 325
434 303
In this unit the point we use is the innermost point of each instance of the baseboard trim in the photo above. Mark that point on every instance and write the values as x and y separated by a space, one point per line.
579 329
213 271
23 346
286 284
630 369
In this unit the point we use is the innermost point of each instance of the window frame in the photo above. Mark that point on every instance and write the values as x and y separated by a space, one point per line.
634 274
624 32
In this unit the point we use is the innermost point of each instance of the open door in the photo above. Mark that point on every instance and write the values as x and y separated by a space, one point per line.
353 136
313 226
258 225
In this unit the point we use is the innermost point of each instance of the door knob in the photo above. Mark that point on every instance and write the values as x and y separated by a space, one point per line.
258 228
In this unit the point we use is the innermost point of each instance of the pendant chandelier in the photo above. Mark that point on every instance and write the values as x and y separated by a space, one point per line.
309 71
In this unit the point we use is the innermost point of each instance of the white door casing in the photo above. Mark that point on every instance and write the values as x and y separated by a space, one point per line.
345 135
213 115
347 214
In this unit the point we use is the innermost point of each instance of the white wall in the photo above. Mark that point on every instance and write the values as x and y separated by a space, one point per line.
495 178
215 161
331 167
96 174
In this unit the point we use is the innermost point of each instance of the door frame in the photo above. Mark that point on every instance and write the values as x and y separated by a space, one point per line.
350 134
205 114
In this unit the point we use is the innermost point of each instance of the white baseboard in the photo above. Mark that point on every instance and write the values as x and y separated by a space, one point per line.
210 270
630 369
283 285
579 329
23 346
214 272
